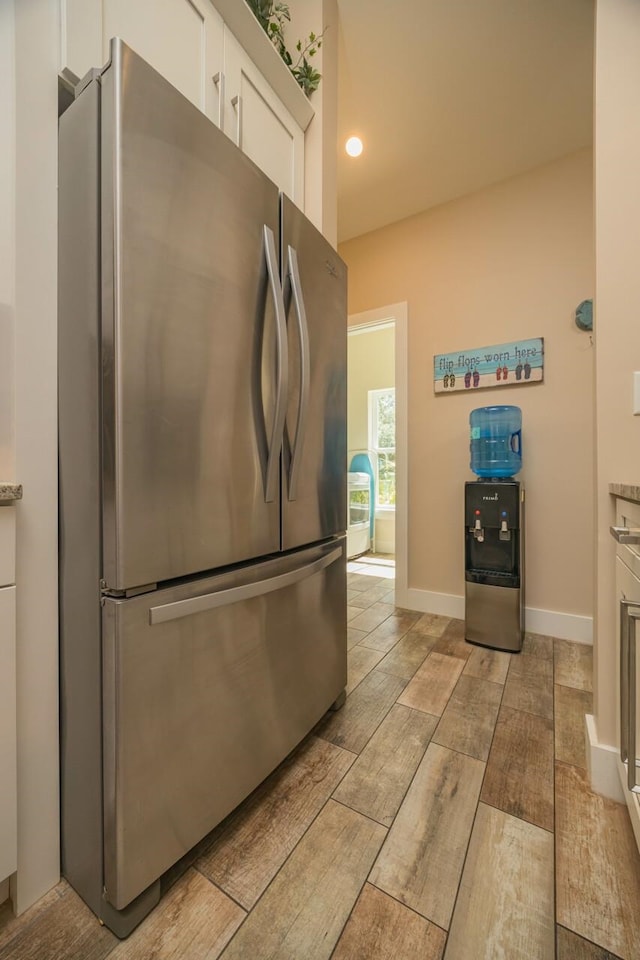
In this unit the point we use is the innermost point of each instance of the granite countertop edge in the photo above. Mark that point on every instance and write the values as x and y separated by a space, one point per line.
628 491
10 491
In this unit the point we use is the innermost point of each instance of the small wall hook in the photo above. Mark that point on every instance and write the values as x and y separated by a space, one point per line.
584 315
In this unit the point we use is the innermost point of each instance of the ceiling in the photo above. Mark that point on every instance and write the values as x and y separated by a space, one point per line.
452 95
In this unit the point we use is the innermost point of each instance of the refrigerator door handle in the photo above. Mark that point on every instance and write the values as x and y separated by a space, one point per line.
222 598
305 373
282 368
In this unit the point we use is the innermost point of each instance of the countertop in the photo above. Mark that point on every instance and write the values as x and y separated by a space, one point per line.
10 491
628 491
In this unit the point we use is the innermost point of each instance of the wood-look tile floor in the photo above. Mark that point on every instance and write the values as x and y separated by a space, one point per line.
443 814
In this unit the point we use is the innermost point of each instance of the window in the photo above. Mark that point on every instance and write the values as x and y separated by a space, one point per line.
382 443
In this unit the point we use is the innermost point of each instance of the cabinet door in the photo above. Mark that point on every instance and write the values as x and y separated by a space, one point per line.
257 121
628 587
80 35
181 39
7 544
8 822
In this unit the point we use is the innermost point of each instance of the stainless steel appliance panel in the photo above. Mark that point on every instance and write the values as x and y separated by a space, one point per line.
79 489
207 687
189 334
493 615
315 443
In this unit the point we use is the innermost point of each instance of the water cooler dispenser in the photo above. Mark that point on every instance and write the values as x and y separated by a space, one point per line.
494 531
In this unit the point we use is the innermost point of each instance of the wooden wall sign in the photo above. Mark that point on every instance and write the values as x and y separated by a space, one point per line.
502 365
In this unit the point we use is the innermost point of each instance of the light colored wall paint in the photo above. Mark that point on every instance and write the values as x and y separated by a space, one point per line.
370 366
617 217
507 262
7 240
385 534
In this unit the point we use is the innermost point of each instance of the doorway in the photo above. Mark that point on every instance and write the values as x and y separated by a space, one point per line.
385 329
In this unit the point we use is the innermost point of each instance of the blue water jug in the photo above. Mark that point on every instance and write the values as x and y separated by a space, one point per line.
496 447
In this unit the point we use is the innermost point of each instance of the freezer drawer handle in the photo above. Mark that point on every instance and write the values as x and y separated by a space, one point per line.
629 616
305 374
222 598
282 368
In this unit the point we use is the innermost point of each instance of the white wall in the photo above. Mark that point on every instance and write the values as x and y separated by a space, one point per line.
370 366
34 271
7 446
7 241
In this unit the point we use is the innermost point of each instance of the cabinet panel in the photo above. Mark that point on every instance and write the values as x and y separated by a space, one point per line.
80 35
173 36
8 792
257 121
628 515
182 39
7 544
628 589
187 42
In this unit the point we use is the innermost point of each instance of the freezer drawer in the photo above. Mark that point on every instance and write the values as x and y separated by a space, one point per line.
207 687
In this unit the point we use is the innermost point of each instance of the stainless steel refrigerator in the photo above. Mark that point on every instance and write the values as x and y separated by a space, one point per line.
202 408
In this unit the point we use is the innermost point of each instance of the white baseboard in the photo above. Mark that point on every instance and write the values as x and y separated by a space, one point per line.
445 604
602 764
565 626
385 546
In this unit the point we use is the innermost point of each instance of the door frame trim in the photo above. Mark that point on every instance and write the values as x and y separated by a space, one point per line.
382 316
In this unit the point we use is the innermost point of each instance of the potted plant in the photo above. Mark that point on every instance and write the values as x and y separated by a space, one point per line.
273 15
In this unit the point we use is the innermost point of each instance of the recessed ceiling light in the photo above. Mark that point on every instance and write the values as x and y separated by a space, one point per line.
353 146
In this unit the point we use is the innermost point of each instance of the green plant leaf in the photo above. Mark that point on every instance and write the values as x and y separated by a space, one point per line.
272 17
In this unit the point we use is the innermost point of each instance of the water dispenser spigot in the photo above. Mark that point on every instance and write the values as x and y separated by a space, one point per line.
478 530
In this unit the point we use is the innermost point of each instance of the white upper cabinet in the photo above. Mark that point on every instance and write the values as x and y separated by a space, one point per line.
259 124
182 39
190 43
80 35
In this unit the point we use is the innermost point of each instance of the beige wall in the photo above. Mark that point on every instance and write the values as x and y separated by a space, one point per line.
371 366
512 261
617 166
